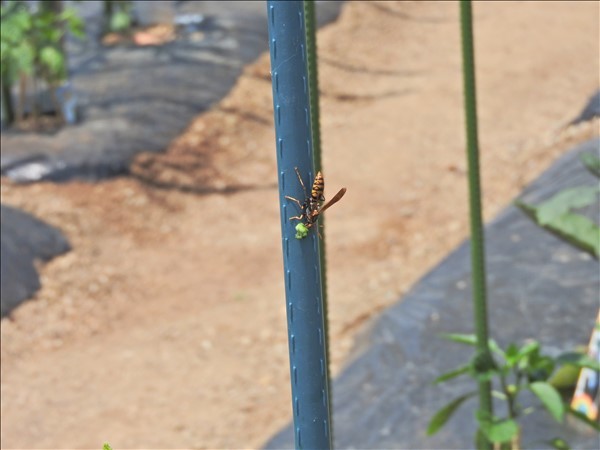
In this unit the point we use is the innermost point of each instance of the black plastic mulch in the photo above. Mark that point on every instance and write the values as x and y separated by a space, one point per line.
23 240
133 99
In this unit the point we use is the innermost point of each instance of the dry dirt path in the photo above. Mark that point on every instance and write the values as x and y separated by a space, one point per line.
165 326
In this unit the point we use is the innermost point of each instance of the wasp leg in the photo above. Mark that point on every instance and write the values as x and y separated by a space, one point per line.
297 217
301 182
295 200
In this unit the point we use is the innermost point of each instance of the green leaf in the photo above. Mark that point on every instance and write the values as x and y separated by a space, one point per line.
583 418
49 36
10 32
592 162
452 374
120 21
22 19
515 355
502 431
106 446
77 27
15 25
578 230
528 349
52 59
578 360
528 209
499 395
74 23
441 417
565 377
470 339
559 444
67 14
512 353
493 345
497 430
554 215
550 398
562 202
540 368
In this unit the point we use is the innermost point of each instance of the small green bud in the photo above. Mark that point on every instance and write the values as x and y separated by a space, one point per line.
301 231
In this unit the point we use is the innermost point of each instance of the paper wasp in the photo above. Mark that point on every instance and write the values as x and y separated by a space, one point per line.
310 208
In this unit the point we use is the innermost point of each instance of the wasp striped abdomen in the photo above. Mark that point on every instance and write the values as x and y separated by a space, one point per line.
318 188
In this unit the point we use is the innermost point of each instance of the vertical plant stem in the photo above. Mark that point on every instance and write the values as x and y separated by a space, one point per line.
510 397
313 80
22 97
7 102
35 105
108 10
477 233
315 126
302 280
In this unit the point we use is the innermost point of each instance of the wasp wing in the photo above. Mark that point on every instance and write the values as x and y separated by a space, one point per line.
336 198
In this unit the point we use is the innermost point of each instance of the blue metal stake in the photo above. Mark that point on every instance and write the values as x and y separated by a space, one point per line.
306 332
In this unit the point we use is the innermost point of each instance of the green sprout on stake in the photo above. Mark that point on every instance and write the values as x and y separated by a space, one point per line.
301 231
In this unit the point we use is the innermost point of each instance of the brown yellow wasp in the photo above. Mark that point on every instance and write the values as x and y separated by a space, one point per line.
311 208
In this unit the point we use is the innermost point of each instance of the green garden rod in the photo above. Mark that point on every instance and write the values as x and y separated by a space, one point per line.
477 235
315 127
302 268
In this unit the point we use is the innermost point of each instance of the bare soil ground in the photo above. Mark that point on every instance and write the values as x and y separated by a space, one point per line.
165 326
